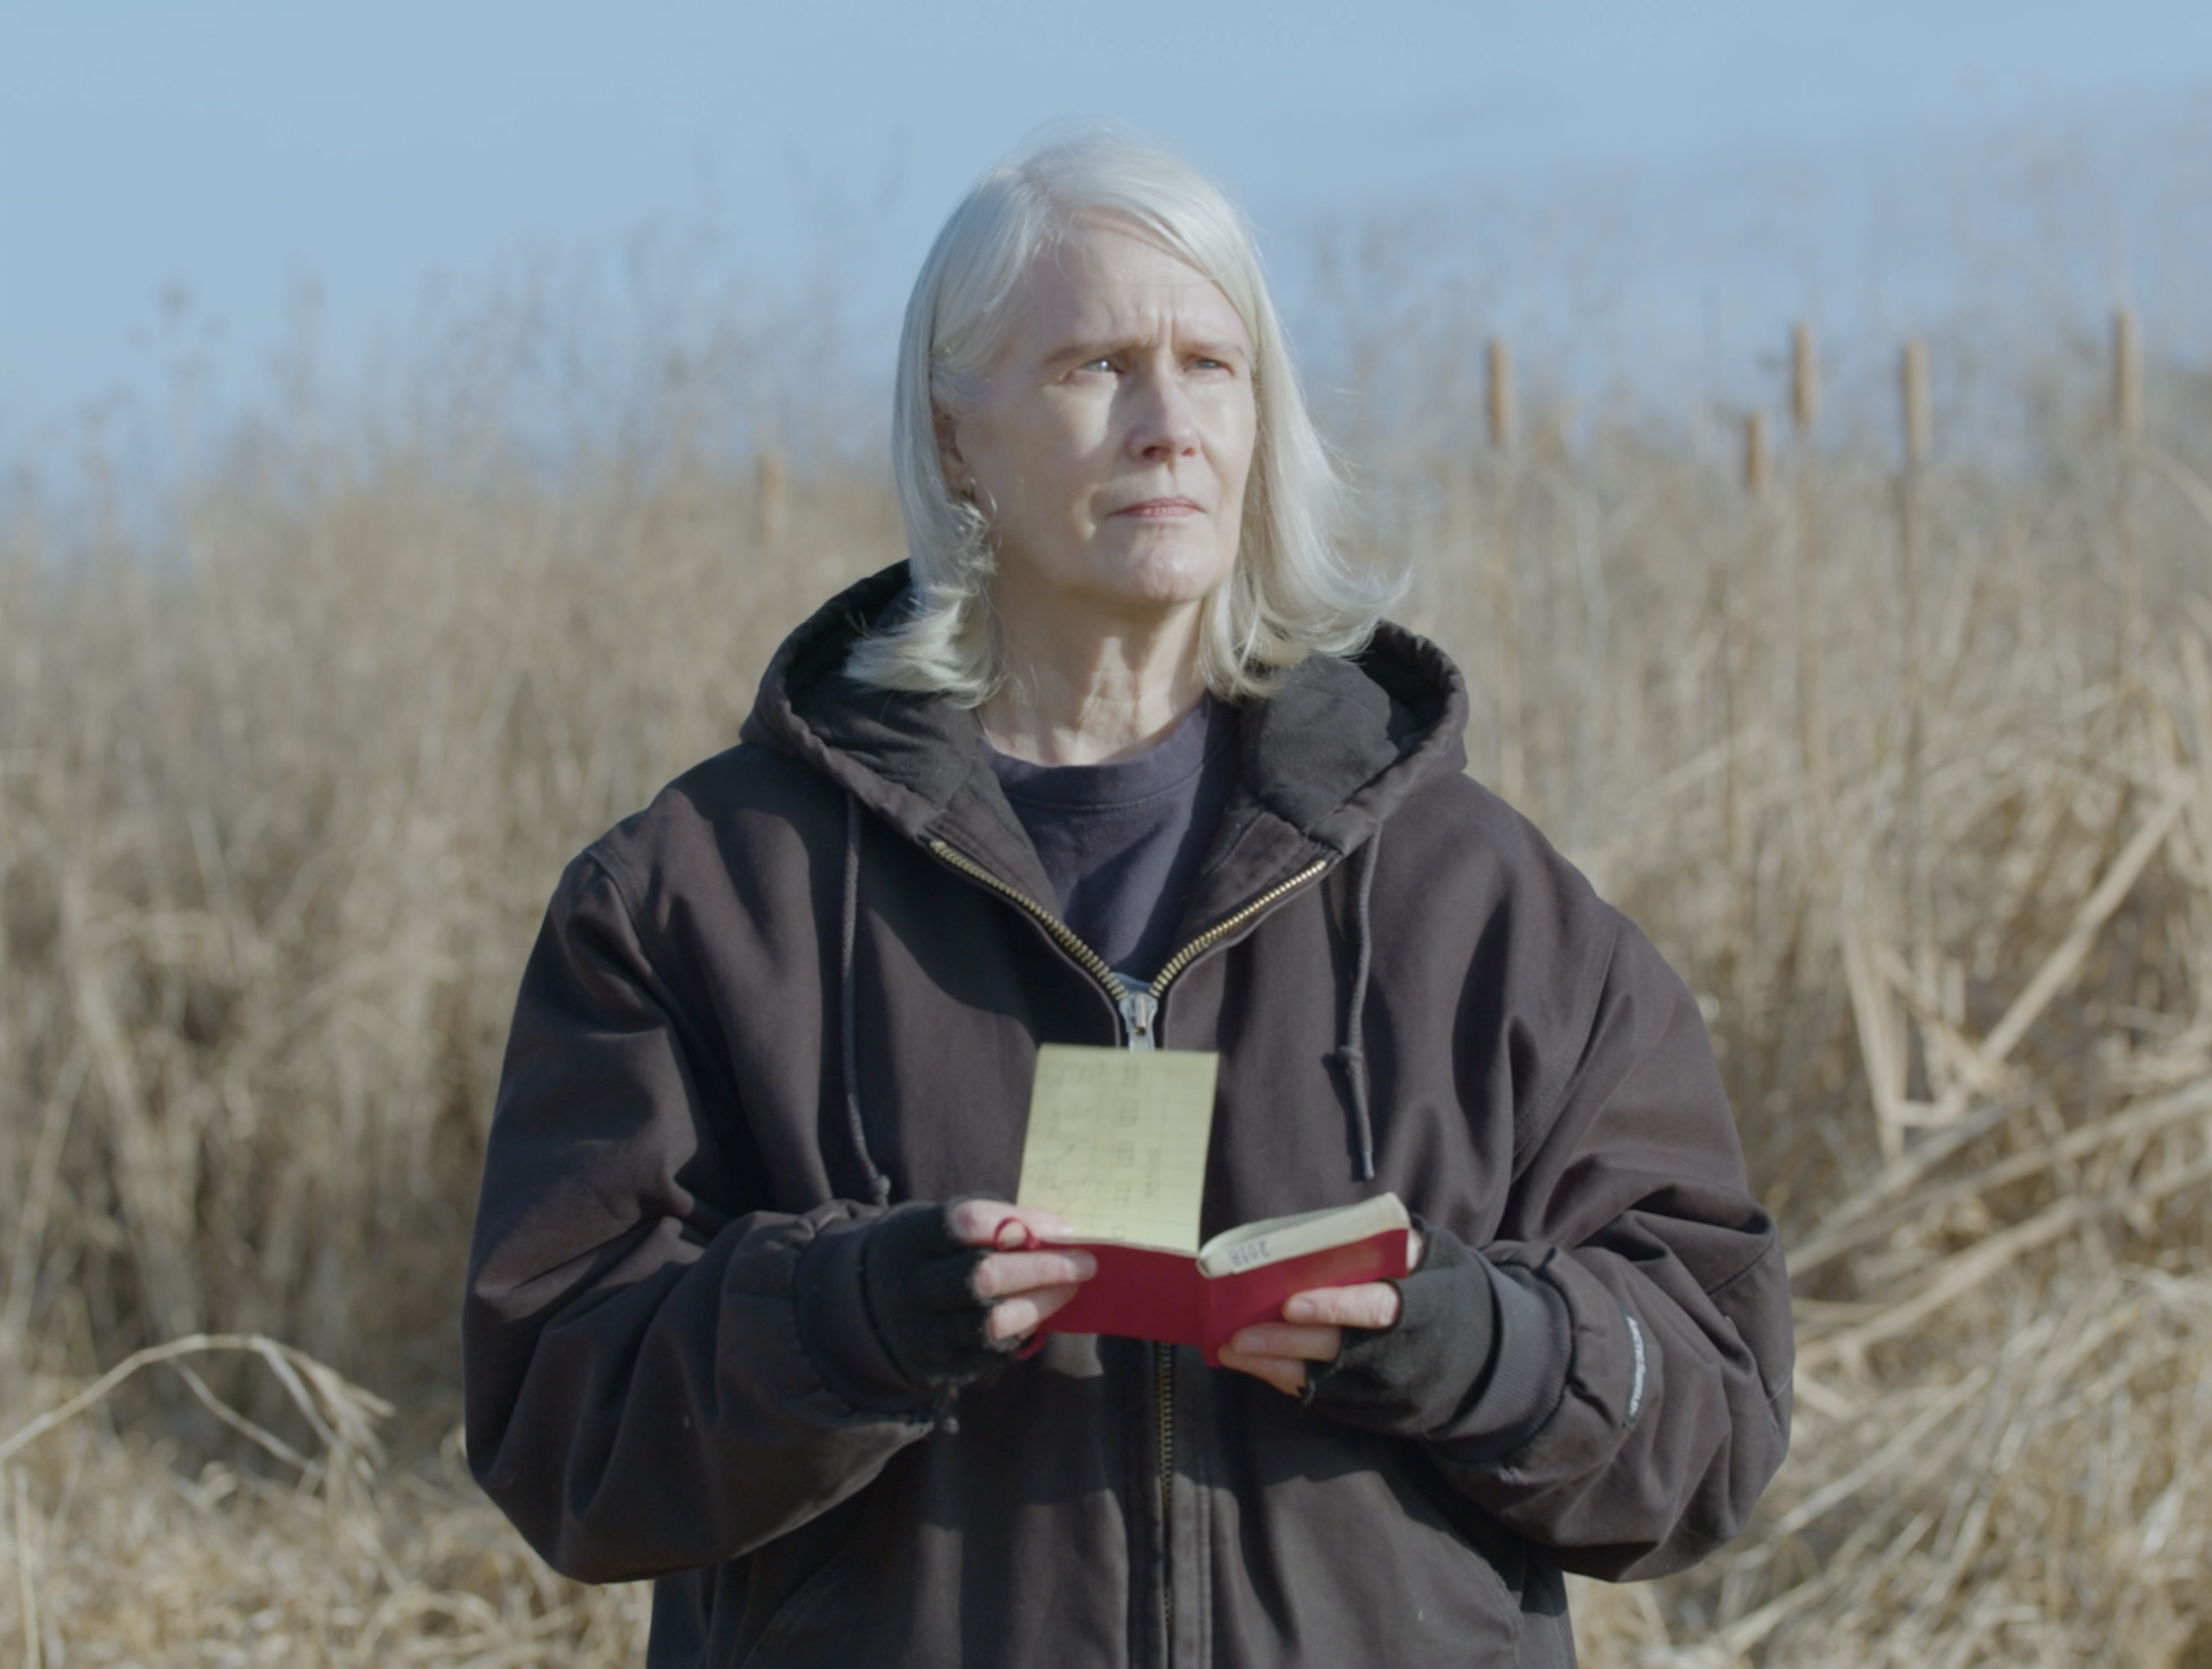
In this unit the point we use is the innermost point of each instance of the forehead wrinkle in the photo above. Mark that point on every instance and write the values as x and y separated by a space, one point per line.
1118 319
1105 310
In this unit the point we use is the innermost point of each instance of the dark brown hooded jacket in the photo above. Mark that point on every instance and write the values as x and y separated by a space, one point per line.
811 979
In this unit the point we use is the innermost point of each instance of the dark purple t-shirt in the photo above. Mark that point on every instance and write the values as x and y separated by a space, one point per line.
1122 842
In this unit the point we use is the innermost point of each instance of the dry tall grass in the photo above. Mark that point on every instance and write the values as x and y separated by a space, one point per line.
1880 751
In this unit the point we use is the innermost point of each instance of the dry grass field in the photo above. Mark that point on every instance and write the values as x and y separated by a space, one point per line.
1900 746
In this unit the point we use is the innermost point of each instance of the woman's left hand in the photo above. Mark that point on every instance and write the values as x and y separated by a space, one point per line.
1312 1330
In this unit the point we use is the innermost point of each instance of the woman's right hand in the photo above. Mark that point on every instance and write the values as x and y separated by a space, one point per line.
1022 1280
952 1290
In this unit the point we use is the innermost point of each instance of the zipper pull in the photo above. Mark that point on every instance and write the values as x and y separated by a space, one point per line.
1140 1010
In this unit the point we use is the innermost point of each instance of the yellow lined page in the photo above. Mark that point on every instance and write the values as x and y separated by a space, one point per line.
1117 1141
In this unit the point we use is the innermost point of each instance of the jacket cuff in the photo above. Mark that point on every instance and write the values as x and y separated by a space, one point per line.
1528 1375
835 1329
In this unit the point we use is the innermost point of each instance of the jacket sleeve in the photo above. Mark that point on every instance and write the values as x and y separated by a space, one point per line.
1639 1400
657 1377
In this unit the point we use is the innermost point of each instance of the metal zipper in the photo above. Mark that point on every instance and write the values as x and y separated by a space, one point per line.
1093 964
1163 1407
1139 1009
1229 924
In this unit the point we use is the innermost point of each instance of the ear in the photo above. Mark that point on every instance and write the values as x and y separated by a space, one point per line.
957 475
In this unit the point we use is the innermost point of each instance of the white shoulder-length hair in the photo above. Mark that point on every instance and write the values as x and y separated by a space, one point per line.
1292 592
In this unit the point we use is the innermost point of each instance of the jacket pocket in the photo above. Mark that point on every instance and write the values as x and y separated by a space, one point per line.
1343 1547
797 1579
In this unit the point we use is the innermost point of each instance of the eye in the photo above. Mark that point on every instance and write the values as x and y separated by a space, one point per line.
1103 363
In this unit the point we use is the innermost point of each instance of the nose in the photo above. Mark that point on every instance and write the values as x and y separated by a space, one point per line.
1163 422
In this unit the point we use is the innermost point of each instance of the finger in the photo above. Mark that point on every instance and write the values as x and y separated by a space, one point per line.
1287 1377
1011 1318
986 1222
1372 1304
1276 1338
974 1222
1004 1274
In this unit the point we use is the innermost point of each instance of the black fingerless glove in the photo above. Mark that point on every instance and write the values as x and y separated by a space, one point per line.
1415 1377
918 1281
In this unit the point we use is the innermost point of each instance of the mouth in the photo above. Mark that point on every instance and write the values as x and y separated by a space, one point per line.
1161 509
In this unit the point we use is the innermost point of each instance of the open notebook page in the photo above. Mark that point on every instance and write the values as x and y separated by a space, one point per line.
1117 1141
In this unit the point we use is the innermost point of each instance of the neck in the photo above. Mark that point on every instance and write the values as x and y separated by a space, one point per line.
1086 692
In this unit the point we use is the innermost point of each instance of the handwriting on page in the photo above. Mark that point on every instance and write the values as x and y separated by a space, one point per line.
1117 1141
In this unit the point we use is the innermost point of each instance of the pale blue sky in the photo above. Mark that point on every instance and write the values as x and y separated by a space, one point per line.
243 151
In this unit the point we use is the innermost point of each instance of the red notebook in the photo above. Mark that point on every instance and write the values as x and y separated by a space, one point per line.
1238 1278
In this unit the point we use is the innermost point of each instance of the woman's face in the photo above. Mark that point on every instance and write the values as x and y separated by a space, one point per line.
1111 443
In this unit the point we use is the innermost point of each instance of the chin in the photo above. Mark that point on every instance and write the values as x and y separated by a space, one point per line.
1160 597
1165 577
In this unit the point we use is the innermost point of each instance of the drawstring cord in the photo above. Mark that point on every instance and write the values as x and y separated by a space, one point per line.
849 1047
1353 1056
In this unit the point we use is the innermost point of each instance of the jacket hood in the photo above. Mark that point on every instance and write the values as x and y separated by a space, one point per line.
1324 759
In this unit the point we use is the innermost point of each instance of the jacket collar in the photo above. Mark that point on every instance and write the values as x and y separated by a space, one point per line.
1325 758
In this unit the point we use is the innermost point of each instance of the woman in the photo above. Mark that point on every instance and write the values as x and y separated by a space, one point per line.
1120 756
